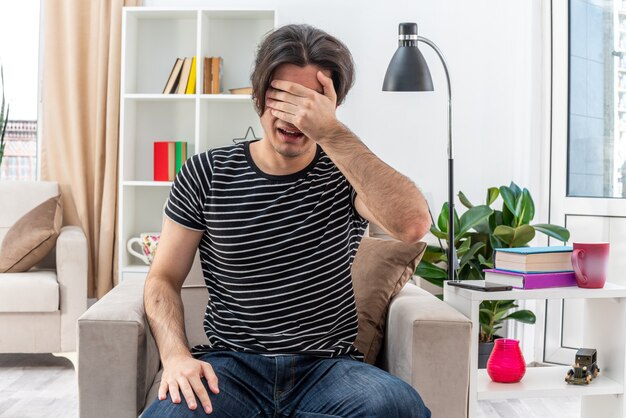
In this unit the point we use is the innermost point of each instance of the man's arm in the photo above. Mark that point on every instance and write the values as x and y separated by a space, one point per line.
384 196
164 310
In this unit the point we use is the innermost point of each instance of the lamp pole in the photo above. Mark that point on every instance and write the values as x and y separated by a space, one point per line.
453 262
408 71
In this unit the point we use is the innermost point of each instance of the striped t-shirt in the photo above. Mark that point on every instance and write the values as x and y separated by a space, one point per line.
276 252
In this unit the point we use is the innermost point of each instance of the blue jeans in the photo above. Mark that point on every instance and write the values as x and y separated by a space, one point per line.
300 386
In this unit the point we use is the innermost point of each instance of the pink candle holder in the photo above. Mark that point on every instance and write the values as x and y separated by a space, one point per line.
506 363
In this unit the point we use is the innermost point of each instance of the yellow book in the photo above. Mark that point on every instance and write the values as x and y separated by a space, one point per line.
191 83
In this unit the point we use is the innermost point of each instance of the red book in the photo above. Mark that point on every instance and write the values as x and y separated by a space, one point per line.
531 280
164 160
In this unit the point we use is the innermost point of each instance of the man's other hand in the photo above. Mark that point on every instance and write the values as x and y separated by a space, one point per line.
183 373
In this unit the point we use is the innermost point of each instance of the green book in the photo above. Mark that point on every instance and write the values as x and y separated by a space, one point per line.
181 154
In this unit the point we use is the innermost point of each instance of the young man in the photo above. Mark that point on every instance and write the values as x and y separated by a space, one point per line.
278 222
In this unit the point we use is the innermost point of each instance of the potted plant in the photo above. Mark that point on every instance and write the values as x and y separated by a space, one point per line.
477 232
4 117
491 315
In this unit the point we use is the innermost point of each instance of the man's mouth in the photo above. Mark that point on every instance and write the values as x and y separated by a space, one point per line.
289 134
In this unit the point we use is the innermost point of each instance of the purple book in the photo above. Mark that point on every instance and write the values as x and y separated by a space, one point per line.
531 280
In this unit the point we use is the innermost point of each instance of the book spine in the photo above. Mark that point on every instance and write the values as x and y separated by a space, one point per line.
184 76
564 280
216 75
530 280
191 83
181 154
161 161
172 80
171 161
207 76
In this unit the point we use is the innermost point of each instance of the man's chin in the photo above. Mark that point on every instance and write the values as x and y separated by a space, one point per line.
293 149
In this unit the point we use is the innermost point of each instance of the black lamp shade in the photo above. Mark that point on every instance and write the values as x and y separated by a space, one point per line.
408 70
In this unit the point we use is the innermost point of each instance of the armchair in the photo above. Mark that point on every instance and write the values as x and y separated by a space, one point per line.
39 308
427 344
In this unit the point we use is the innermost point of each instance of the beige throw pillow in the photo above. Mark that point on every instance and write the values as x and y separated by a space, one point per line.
32 237
380 270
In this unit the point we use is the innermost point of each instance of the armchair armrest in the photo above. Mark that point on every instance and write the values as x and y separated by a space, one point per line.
115 345
71 268
428 345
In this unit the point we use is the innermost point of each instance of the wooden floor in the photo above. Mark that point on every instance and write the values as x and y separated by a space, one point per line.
41 385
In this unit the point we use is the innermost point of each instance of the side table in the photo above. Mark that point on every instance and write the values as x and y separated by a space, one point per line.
604 328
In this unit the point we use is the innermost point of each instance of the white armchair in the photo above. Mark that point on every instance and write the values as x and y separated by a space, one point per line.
39 308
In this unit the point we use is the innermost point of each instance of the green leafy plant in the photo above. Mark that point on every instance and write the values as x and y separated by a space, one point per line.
493 313
478 232
4 116
481 229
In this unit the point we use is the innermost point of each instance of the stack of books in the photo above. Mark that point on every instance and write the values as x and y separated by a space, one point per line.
169 157
532 267
182 79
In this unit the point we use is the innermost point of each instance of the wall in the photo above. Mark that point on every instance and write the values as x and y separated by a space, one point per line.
494 51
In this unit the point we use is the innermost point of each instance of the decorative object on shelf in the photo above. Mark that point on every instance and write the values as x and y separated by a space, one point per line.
4 116
506 363
408 71
585 367
149 242
590 261
245 138
491 316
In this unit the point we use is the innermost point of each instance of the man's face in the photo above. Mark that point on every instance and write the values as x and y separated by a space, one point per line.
285 138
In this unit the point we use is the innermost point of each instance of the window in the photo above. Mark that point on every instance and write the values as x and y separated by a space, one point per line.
19 55
597 99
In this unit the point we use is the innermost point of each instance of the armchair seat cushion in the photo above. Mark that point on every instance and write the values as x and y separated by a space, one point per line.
35 291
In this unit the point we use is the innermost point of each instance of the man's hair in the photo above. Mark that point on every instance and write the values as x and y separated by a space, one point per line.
301 45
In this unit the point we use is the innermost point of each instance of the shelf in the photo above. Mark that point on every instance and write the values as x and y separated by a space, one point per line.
610 290
187 97
159 97
148 183
539 382
226 97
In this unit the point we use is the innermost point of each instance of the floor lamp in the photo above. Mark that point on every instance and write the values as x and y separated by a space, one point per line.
408 71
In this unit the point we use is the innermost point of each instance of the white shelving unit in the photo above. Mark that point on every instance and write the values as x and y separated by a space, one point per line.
603 329
152 39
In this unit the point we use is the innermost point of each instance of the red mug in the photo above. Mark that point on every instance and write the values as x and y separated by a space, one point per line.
590 262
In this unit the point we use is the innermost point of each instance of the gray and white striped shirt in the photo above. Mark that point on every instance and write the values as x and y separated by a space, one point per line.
276 252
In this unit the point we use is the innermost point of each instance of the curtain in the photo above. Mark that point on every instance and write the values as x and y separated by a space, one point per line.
80 135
